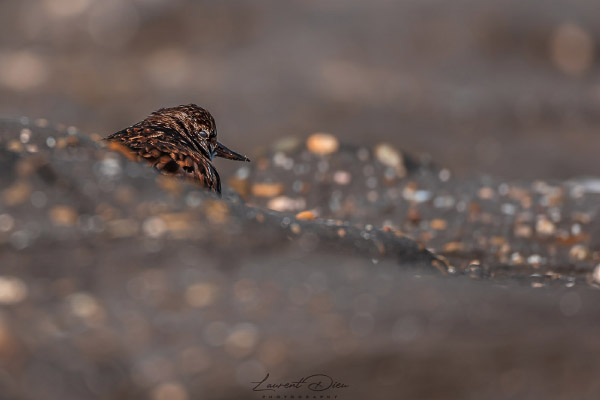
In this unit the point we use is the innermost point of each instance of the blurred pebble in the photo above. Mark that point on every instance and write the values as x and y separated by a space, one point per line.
572 49
16 194
242 340
25 135
579 252
306 215
200 294
452 247
85 306
15 146
523 231
267 189
22 70
444 175
286 144
295 228
342 177
217 212
12 290
7 222
486 193
170 391
596 274
154 227
63 215
122 228
544 226
391 157
284 203
322 143
438 224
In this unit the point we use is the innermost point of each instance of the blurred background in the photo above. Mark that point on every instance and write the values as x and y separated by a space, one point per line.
509 88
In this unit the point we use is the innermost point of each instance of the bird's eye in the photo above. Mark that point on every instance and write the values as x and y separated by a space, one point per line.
203 134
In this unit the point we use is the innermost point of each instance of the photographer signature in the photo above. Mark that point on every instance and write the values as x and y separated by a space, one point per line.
316 383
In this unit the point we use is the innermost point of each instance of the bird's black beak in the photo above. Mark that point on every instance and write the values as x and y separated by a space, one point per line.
222 151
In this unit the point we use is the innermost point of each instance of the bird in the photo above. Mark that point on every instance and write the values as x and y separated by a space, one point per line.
180 141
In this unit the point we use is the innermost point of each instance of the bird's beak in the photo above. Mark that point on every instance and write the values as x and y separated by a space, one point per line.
222 151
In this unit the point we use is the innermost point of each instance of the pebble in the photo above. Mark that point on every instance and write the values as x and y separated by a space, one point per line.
295 228
438 224
12 290
201 294
523 231
579 252
596 274
306 215
545 227
63 215
322 143
16 194
267 189
170 391
391 157
342 177
285 203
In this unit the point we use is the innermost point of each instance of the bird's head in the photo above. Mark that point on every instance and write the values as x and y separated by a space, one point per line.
204 130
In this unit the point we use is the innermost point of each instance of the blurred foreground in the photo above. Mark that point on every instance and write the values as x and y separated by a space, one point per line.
119 283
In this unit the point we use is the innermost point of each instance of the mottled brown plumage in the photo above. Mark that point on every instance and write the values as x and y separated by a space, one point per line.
178 141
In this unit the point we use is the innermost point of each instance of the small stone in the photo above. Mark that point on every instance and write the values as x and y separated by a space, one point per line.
523 231
517 258
85 306
170 391
545 227
286 144
122 228
535 260
7 222
25 135
63 215
453 247
201 294
596 274
306 215
242 340
572 49
15 146
444 175
295 228
217 212
154 227
579 252
16 194
414 217
438 224
267 189
342 177
322 143
286 204
391 157
12 290
486 193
